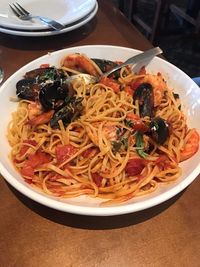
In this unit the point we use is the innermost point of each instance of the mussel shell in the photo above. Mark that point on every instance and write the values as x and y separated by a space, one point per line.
41 72
144 94
52 95
106 65
27 89
68 113
159 129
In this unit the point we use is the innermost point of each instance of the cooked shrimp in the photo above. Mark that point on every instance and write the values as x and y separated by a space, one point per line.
81 63
42 118
110 132
191 145
34 109
36 114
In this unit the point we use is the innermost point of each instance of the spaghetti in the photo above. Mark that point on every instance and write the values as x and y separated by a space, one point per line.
128 137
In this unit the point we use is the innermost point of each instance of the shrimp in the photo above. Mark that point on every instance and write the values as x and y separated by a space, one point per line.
42 118
191 145
34 109
81 63
36 115
108 130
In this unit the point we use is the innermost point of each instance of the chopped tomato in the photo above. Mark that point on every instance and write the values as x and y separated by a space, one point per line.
161 159
34 161
40 119
38 158
44 65
135 166
24 148
97 179
88 152
27 170
132 116
65 152
128 90
110 83
163 162
55 176
138 124
136 83
142 71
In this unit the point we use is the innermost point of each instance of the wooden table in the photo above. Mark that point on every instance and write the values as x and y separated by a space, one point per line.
33 235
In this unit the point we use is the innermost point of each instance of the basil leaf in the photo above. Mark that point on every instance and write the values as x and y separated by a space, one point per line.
140 145
116 146
128 123
122 143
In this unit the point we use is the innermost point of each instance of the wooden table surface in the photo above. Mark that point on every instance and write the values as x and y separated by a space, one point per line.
33 235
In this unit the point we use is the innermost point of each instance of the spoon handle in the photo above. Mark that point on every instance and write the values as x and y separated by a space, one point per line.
136 59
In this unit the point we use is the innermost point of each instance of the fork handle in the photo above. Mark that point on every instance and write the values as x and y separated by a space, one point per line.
52 23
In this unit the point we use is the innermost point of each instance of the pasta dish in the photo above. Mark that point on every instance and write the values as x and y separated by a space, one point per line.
114 138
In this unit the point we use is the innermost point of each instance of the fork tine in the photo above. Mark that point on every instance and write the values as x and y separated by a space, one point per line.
15 11
22 9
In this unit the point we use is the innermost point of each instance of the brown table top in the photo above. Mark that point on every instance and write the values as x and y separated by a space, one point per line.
34 235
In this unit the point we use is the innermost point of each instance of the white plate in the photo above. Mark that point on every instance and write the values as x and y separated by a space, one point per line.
63 11
72 26
190 97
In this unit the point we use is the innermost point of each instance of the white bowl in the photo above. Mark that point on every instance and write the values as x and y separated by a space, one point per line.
182 84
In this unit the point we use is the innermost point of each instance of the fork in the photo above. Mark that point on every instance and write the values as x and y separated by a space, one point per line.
23 14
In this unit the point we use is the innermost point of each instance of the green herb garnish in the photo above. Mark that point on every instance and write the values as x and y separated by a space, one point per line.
49 74
140 145
116 146
122 143
128 123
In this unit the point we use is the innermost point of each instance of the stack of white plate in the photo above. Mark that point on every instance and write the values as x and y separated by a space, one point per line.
71 13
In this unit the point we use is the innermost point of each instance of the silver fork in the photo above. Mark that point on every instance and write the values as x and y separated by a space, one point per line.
23 14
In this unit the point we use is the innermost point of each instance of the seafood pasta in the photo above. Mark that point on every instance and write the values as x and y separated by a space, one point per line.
117 138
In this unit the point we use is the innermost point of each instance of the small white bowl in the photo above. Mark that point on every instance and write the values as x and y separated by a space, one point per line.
182 84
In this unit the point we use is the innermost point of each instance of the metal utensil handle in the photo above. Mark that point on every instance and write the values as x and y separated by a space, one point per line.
135 59
52 23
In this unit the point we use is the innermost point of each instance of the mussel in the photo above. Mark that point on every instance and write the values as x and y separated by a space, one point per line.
27 89
106 65
52 95
144 95
43 74
69 112
159 130
45 84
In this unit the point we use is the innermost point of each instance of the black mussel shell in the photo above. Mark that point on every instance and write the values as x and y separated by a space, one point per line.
46 74
68 113
27 89
144 94
37 72
52 95
159 129
106 65
43 73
